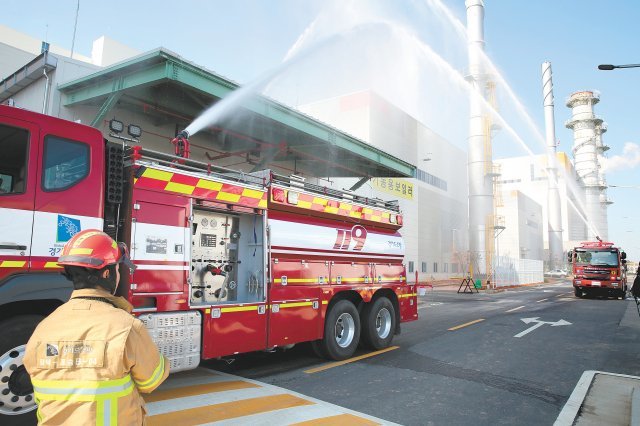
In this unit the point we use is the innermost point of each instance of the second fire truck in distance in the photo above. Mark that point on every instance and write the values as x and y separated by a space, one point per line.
599 268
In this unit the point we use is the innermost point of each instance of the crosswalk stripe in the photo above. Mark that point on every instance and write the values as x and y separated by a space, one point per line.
227 410
186 391
341 419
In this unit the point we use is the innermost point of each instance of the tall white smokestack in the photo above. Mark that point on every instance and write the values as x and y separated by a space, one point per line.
584 124
479 160
553 196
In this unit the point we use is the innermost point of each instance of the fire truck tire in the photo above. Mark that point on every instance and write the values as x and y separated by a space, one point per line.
341 331
16 392
577 292
378 323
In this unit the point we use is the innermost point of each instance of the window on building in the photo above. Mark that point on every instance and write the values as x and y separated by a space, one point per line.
65 163
454 268
435 266
424 266
446 267
411 266
14 145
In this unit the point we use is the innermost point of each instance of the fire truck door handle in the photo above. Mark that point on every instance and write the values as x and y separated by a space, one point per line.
12 247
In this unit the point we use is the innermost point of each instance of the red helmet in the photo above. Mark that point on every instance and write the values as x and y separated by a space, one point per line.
94 249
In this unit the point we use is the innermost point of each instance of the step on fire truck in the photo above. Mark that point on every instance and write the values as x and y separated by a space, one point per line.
599 268
227 262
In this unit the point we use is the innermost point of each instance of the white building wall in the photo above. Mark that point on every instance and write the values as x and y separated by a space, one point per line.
435 216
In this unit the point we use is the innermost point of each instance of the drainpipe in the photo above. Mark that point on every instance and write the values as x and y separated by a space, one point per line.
46 92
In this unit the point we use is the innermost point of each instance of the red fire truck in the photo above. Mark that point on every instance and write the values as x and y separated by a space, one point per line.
227 262
599 268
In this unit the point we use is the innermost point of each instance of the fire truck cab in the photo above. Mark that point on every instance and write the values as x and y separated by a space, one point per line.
599 268
227 262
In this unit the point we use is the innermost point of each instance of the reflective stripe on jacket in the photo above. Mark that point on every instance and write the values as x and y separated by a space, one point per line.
89 361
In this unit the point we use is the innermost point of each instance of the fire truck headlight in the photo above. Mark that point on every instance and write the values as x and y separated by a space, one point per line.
134 131
116 126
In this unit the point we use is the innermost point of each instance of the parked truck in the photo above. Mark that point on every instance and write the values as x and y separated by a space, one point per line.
227 262
599 268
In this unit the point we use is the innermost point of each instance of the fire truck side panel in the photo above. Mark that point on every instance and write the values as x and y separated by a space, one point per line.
295 300
160 249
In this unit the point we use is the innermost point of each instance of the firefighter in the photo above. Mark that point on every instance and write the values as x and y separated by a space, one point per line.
90 359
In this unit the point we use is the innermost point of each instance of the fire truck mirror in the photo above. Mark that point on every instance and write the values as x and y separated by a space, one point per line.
623 255
570 256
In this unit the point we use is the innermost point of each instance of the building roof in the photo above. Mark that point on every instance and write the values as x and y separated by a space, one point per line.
162 83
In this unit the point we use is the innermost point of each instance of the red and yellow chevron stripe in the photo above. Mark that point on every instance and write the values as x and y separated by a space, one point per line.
206 189
325 205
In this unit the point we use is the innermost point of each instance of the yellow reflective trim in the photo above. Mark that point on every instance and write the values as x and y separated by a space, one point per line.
157 174
100 413
252 193
297 280
263 203
318 200
207 311
353 280
295 304
325 302
52 265
407 295
304 204
12 264
331 209
226 196
81 250
367 211
80 384
239 309
179 187
156 376
207 184
354 214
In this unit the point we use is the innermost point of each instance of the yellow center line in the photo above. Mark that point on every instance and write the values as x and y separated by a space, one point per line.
346 361
541 300
465 324
515 309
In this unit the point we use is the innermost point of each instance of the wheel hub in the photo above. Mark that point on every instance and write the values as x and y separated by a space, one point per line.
383 323
16 391
345 330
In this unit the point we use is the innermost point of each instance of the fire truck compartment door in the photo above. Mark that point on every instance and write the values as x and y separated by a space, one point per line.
160 247
295 301
232 329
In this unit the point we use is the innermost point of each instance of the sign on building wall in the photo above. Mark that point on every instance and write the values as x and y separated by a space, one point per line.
398 187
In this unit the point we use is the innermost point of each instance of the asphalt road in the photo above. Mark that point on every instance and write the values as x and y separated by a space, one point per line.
476 374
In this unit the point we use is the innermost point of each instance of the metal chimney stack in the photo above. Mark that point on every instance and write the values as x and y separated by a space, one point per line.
587 129
479 160
554 215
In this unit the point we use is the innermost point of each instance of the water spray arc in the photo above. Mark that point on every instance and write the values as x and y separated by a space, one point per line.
553 196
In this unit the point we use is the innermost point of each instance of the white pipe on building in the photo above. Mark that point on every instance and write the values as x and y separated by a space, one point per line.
554 215
585 153
480 180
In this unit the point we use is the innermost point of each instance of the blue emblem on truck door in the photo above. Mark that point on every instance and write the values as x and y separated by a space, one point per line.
67 228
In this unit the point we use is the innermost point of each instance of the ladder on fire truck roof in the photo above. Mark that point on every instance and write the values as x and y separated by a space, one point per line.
141 156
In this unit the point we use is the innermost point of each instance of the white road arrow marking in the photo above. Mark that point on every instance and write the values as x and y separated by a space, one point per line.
539 324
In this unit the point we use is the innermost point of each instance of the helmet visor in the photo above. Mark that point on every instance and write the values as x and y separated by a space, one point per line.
124 257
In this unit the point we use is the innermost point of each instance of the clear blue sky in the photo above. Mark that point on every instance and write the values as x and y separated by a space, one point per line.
242 39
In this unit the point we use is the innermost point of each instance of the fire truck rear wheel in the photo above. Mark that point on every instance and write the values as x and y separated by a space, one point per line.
378 323
16 391
341 331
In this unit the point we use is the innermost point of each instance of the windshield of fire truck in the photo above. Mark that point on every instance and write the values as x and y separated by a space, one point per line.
597 257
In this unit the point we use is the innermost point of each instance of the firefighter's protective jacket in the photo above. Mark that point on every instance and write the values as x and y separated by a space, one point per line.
90 359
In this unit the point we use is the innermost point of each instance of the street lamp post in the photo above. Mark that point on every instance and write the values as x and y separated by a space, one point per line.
609 67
